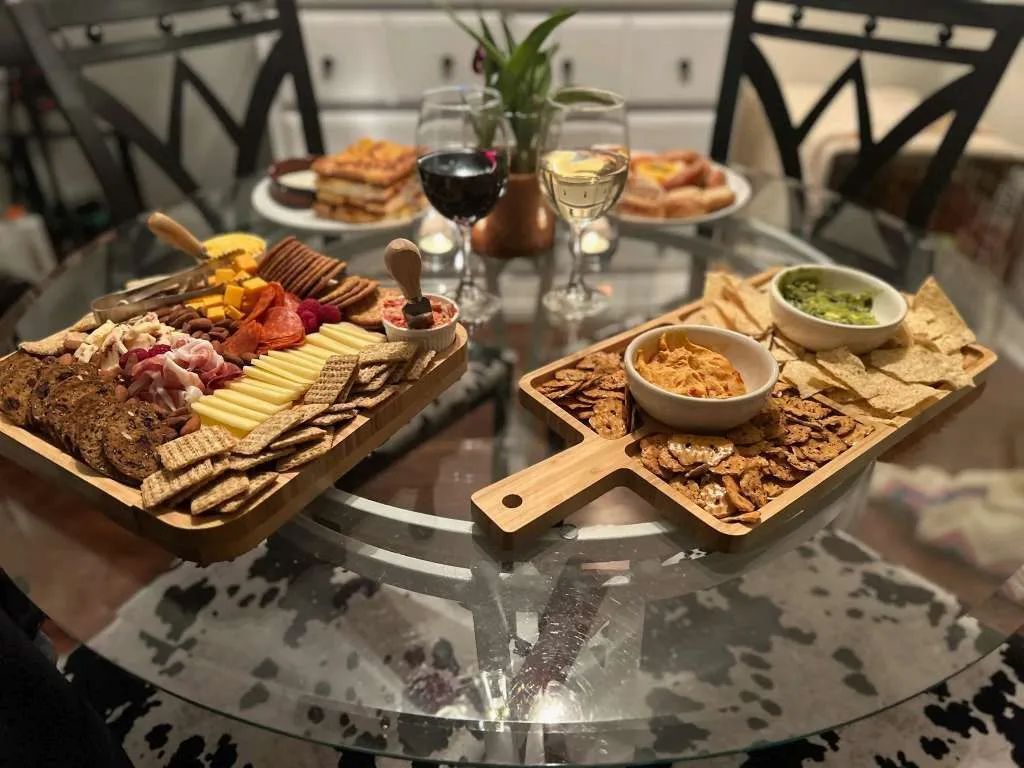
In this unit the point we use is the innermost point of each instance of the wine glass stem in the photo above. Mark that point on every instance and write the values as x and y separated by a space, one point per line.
466 234
576 249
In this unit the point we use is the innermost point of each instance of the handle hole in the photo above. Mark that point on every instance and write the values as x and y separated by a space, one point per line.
512 501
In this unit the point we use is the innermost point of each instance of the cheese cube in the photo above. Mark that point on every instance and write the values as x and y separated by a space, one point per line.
213 300
241 277
246 262
233 295
195 304
233 312
215 313
254 284
224 274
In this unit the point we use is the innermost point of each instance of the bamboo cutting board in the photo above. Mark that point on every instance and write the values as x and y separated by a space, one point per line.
522 506
222 537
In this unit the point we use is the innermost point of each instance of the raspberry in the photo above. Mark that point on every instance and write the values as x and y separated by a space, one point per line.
309 321
329 313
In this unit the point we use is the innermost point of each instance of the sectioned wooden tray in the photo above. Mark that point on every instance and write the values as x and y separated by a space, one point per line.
222 537
521 506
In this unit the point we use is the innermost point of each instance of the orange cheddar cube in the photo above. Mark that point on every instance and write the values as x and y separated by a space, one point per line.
224 274
241 277
233 312
233 295
245 262
215 313
254 284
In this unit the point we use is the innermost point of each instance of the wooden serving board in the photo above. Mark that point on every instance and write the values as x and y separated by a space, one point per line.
207 539
524 505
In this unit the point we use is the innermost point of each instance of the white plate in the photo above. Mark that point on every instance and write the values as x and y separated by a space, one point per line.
736 181
305 220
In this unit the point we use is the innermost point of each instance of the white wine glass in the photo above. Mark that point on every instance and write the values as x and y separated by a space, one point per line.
463 142
582 164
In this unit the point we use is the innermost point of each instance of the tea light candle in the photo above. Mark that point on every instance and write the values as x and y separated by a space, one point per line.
438 243
594 243
599 238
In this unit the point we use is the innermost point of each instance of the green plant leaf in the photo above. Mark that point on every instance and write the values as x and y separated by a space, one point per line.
527 51
492 50
486 30
510 41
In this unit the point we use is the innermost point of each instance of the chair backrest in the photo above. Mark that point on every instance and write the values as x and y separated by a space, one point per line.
964 98
87 106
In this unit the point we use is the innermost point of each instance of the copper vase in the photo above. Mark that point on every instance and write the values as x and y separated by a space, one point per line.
521 224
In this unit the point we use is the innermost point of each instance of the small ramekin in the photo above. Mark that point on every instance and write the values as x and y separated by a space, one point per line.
438 338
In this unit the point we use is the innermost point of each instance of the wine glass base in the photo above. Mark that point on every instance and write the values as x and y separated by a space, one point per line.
476 305
575 302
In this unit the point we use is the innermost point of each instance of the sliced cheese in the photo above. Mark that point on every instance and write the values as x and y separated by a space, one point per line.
206 421
338 348
262 391
218 414
293 386
342 336
314 351
350 329
247 401
281 367
310 366
317 360
226 406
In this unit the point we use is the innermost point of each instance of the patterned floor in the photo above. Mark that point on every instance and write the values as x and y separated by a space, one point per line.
975 720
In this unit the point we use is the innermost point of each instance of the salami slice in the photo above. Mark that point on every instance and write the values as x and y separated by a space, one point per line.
244 340
281 328
272 295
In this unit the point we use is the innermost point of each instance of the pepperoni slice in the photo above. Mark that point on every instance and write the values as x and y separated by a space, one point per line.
244 340
292 301
281 328
272 295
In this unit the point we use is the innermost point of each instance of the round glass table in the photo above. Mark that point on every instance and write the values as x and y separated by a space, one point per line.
382 618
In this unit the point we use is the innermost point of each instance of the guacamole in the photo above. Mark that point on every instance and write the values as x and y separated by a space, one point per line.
804 291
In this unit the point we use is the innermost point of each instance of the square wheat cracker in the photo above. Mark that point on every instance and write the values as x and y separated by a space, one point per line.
218 493
314 451
297 437
257 485
202 444
335 380
271 429
165 484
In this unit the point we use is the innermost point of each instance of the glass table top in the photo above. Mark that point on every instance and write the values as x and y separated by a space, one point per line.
383 619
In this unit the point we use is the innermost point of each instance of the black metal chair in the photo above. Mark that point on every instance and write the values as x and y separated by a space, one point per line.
93 113
965 97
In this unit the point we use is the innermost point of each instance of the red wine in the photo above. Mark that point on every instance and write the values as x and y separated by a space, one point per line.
463 184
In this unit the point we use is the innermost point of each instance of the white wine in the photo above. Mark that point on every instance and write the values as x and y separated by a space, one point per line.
583 184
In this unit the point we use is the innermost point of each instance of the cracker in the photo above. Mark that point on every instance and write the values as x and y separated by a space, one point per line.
218 493
243 463
368 373
366 311
699 449
330 419
388 352
335 380
369 290
297 437
933 318
257 485
314 451
329 281
165 484
271 429
347 287
378 381
199 445
808 378
342 408
921 365
902 397
51 345
372 401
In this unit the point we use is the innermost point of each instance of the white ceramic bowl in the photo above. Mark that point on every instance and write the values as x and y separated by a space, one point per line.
438 338
705 414
889 307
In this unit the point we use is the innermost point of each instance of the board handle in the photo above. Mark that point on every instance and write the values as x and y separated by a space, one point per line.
541 495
